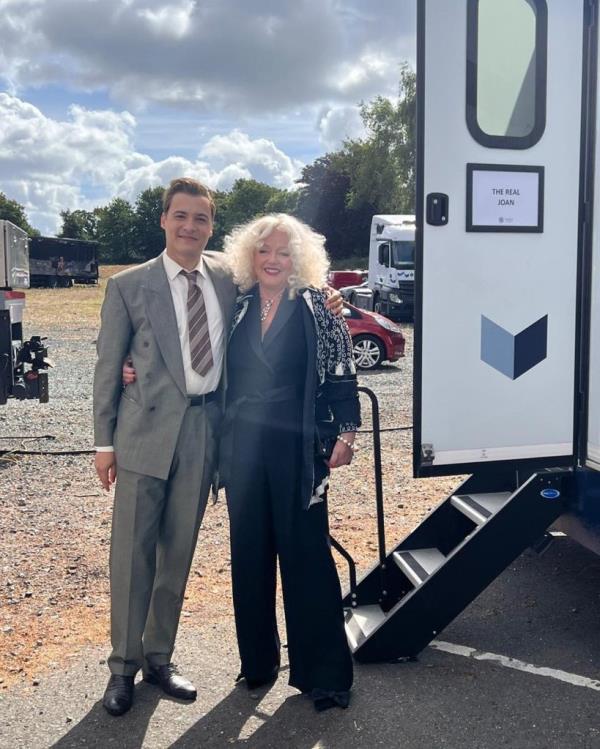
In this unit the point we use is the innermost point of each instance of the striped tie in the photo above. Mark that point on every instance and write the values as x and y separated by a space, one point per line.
200 350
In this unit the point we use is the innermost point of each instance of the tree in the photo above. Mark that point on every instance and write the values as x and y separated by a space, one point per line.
381 166
246 200
341 191
79 224
149 237
117 233
283 201
14 212
323 204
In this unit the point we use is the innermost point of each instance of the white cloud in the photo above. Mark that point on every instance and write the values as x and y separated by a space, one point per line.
339 124
221 161
160 173
172 20
286 71
50 165
371 72
260 157
226 54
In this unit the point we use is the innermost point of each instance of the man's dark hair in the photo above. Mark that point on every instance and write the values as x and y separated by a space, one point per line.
190 187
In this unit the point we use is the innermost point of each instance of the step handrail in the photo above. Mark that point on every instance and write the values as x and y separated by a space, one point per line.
378 502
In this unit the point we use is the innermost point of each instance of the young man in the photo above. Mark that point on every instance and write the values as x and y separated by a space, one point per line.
159 434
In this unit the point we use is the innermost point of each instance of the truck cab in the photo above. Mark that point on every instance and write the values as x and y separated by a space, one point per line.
392 265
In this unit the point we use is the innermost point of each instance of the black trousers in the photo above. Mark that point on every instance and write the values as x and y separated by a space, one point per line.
267 522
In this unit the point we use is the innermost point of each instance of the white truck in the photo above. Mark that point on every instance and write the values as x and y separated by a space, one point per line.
392 265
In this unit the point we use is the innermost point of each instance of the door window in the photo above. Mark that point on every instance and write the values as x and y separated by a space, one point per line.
506 72
384 254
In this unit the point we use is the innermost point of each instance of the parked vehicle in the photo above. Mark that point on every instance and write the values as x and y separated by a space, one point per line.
391 275
341 278
61 262
23 362
360 295
375 339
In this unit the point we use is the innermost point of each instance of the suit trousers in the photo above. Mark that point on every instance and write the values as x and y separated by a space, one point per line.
154 532
267 523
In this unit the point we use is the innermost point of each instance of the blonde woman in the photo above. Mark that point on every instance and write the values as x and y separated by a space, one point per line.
292 414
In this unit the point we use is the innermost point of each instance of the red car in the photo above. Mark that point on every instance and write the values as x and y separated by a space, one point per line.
375 338
339 278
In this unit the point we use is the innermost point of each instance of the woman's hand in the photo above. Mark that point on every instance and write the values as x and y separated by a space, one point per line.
343 451
128 372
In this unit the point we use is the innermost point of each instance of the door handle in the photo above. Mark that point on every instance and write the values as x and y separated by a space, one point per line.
437 209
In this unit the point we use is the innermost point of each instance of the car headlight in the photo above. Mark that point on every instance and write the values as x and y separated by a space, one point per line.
388 324
395 298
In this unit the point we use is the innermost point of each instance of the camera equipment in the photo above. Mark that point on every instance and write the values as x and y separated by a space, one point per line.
22 363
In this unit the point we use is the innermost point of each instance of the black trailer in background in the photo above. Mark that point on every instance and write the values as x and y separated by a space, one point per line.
55 261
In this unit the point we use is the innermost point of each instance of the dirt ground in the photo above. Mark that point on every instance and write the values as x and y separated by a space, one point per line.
55 519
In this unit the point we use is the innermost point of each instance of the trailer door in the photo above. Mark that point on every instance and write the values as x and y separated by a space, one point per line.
499 123
593 278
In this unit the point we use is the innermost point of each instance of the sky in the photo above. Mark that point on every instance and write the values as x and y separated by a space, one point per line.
104 98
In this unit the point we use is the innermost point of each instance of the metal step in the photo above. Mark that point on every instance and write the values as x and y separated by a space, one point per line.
480 507
495 528
361 622
418 564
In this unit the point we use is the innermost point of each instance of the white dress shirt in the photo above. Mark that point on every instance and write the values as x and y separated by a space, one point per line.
197 384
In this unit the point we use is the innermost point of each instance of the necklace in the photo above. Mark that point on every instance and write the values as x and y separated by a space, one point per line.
265 307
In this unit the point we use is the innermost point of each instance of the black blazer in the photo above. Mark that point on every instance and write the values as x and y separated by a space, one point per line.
331 404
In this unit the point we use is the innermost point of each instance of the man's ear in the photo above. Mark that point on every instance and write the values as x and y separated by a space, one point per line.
162 220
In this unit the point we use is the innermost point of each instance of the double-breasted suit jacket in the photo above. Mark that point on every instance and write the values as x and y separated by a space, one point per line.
143 420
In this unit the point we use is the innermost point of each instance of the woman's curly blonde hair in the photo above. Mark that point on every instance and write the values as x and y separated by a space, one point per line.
309 258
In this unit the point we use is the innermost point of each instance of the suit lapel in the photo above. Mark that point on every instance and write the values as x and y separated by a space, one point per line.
224 289
284 312
161 313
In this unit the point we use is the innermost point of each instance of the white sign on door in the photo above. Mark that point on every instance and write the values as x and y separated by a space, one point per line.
504 198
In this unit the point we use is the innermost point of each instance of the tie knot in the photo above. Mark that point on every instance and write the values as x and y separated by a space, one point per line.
190 275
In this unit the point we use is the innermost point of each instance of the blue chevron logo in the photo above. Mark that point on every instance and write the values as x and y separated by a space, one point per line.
513 355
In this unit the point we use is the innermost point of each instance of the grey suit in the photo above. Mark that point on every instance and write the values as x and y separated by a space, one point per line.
165 454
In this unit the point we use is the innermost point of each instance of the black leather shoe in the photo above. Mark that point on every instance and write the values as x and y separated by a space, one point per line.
118 696
170 681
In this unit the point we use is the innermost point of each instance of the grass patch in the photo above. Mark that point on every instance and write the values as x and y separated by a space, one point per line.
76 307
79 306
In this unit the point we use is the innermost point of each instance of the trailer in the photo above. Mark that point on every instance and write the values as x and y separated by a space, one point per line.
61 262
507 311
23 363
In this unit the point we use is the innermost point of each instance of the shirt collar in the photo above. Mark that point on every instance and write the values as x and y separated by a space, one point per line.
173 269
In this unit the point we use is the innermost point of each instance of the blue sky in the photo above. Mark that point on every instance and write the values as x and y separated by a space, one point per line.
100 98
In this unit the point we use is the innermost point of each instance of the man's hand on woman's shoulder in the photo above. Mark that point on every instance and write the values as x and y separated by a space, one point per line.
333 300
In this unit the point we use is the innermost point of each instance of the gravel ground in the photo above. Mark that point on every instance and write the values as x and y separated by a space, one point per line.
55 519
